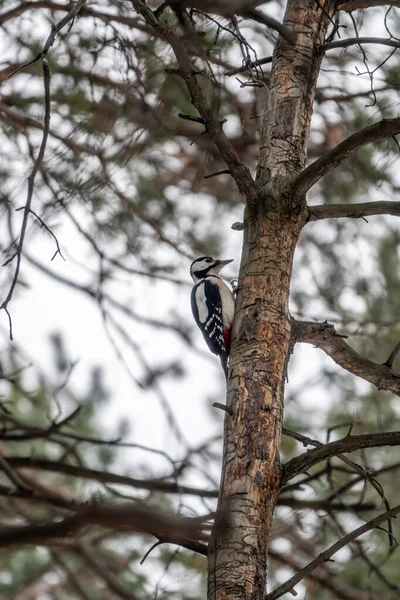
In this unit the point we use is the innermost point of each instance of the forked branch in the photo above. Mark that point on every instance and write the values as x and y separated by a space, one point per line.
314 172
324 336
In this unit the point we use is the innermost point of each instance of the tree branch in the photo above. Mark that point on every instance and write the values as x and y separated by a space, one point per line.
323 504
325 579
350 5
324 336
313 173
360 40
213 125
159 485
358 468
353 211
31 181
300 464
70 16
130 517
326 555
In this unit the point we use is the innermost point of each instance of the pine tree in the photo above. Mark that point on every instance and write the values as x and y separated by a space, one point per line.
147 130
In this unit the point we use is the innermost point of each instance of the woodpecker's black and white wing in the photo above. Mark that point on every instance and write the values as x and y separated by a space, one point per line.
207 311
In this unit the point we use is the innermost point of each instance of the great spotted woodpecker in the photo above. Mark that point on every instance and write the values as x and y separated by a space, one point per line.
213 306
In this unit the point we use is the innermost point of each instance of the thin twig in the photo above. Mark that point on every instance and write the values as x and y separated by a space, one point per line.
46 128
191 118
392 356
255 63
47 228
223 172
18 253
158 543
72 14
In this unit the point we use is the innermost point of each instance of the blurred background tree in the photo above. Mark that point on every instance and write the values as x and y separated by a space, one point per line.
124 194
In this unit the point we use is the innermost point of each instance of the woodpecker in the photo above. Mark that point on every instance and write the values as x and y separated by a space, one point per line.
213 306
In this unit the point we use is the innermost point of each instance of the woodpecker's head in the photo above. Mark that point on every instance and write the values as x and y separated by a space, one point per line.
206 265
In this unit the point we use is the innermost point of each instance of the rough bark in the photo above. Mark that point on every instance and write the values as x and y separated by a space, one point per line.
261 344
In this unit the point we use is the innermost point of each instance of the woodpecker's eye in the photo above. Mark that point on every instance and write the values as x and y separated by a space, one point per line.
208 260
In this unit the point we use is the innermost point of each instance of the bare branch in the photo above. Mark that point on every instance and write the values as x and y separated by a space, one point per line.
358 468
239 171
350 5
255 63
129 517
38 161
160 485
222 172
300 464
360 40
325 579
31 180
73 12
20 9
298 504
261 17
353 211
324 336
326 555
47 228
44 464
313 173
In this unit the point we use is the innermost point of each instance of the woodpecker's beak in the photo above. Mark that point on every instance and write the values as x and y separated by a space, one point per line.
221 263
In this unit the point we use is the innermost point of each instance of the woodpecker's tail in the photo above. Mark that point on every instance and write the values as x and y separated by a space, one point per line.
224 364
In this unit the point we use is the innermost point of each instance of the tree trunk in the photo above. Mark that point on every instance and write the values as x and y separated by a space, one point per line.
261 344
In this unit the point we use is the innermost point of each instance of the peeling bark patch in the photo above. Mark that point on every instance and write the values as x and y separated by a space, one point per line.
287 111
261 451
259 479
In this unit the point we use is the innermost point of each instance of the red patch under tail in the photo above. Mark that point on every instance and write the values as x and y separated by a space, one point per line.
227 340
